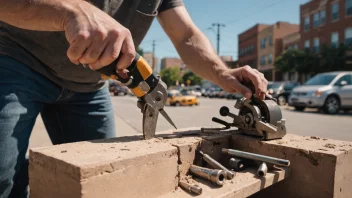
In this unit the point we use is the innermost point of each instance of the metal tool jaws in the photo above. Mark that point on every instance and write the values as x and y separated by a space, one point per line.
150 119
151 104
260 118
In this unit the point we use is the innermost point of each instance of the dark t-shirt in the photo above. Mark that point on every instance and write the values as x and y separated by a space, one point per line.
45 52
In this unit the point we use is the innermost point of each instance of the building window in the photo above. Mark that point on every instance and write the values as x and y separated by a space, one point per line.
348 7
262 60
270 58
335 11
295 46
322 15
316 45
306 45
316 19
271 40
348 37
334 39
262 43
306 23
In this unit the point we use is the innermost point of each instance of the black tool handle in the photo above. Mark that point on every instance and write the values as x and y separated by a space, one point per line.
217 120
110 70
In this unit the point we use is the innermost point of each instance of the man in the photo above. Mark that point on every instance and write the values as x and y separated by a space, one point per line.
43 45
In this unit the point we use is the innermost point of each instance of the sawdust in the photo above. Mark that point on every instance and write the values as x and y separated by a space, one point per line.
330 146
323 149
281 142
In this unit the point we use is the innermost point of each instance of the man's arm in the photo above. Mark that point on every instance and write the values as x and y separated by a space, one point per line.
95 38
199 55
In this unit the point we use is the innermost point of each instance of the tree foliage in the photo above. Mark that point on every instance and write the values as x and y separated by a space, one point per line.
195 80
170 75
140 51
305 62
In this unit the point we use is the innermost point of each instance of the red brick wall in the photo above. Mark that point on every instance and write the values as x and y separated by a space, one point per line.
323 31
248 38
171 62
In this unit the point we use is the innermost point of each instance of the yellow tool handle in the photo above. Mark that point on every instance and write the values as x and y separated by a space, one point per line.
141 78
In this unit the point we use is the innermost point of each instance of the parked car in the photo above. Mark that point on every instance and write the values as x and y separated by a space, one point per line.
281 90
330 91
117 89
175 98
234 96
191 91
214 92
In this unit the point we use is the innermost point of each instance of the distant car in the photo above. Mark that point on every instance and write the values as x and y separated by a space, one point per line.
215 92
116 89
234 96
281 90
330 91
175 98
190 91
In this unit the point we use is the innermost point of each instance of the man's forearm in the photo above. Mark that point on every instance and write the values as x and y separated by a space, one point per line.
199 55
43 15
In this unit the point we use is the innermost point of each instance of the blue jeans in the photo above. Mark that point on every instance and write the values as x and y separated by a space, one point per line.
68 117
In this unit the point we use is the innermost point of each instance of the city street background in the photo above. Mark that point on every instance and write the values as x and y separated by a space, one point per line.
129 120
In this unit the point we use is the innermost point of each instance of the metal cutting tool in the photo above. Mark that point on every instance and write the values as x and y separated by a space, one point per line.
256 117
147 87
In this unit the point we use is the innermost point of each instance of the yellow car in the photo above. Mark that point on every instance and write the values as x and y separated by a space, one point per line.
177 99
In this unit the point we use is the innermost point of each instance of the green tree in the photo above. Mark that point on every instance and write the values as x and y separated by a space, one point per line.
195 80
296 61
140 51
332 58
170 75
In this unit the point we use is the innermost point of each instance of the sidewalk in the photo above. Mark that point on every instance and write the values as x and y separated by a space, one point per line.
40 138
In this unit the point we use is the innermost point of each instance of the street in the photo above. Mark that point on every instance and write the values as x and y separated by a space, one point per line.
128 120
307 123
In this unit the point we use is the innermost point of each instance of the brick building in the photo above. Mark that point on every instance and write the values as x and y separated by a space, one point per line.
247 46
172 62
148 56
325 22
291 41
270 46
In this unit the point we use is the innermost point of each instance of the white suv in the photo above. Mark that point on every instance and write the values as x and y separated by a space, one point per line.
329 91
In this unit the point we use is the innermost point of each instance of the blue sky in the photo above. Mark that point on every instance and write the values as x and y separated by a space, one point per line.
237 15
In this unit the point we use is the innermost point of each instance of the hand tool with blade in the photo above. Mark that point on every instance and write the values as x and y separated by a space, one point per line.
256 117
147 87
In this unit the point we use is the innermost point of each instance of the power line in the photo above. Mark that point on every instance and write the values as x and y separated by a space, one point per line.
218 25
153 62
259 11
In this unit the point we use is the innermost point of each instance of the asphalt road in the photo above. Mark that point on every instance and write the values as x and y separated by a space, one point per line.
307 123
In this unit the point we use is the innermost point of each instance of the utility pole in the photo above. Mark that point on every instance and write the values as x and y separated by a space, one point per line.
154 68
218 35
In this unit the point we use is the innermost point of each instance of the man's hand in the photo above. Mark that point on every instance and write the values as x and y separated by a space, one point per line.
97 39
242 80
